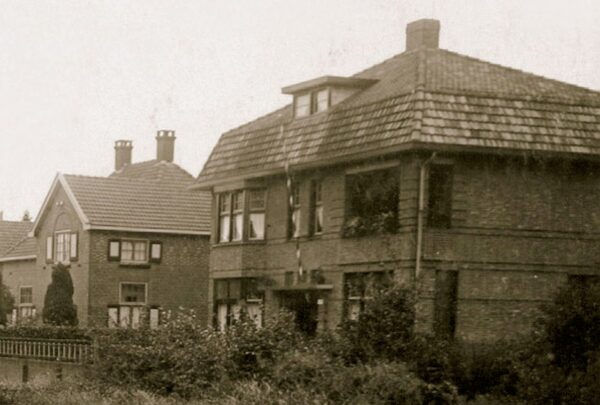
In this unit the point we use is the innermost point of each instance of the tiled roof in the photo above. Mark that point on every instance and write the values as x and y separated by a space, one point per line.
11 232
26 247
424 97
155 170
139 203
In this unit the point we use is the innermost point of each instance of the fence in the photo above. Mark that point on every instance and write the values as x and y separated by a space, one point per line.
67 350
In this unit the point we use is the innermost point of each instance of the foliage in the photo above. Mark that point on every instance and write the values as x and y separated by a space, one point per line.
384 329
47 332
7 302
58 302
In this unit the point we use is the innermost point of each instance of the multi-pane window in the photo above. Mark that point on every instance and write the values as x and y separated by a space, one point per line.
360 288
294 212
302 105
316 208
311 103
61 247
233 215
320 101
26 309
372 202
256 208
237 209
439 214
134 251
224 216
234 297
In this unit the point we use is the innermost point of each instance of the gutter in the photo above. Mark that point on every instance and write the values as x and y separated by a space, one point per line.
420 214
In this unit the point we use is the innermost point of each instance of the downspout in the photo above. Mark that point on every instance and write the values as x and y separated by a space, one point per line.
420 214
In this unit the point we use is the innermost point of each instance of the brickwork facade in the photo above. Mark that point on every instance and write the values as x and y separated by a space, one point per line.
518 229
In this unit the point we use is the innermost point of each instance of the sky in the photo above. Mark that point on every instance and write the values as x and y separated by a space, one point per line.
77 75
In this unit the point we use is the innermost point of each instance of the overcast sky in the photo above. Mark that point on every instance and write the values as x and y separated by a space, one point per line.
76 75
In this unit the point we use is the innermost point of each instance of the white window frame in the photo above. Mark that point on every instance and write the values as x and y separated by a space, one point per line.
253 210
65 235
133 245
21 295
124 303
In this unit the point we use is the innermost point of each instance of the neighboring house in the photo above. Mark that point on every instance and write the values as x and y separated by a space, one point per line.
477 184
17 267
136 241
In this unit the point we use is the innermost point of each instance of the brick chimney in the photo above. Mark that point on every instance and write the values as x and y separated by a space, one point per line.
122 153
165 145
423 33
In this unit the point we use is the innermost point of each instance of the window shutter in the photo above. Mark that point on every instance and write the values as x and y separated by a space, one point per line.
74 247
114 250
154 318
113 317
49 249
155 252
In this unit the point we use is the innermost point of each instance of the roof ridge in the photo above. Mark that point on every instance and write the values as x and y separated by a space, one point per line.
520 71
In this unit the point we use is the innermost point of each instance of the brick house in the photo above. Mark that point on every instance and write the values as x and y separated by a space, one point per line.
475 183
17 266
136 241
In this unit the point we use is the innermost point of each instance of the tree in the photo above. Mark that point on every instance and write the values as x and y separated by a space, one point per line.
6 302
58 303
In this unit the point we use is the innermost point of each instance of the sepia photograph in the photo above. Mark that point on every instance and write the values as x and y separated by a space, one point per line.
281 202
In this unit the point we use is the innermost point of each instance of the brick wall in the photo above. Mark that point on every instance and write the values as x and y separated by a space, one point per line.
518 227
179 280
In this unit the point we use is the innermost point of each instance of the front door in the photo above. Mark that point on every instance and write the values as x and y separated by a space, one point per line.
303 304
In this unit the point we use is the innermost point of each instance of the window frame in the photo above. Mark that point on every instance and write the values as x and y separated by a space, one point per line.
380 278
134 242
231 301
294 204
65 244
137 303
25 304
239 206
440 218
316 203
312 106
367 222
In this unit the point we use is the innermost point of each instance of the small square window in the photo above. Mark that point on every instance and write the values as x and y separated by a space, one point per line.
26 295
133 293
155 252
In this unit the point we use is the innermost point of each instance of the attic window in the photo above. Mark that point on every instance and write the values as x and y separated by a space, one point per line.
311 103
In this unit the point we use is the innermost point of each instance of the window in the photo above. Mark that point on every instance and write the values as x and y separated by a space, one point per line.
294 216
360 288
234 297
440 196
316 208
372 202
257 215
65 247
445 304
134 252
302 104
26 309
233 215
128 316
26 295
311 103
133 293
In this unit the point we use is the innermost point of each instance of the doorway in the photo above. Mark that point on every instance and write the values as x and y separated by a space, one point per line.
303 304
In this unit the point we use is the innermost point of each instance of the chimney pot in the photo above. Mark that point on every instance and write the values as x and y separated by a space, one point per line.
423 33
165 145
122 153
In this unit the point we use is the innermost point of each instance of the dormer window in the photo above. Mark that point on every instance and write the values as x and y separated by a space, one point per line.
317 95
311 103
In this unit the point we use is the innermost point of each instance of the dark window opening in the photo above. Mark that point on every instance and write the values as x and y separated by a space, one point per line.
372 203
360 288
234 297
440 196
446 299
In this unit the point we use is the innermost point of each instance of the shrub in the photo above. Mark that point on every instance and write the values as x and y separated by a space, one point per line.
47 332
7 302
384 329
58 302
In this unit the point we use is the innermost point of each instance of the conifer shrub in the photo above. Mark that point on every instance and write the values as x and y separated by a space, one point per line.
59 308
7 302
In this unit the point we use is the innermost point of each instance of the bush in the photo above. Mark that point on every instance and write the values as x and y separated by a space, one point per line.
384 329
58 302
7 302
47 332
